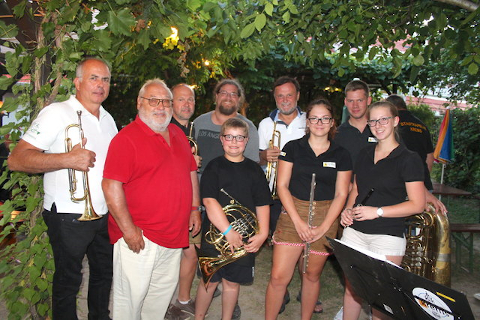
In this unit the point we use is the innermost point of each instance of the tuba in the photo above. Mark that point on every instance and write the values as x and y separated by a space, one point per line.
272 166
428 246
89 213
244 222
192 141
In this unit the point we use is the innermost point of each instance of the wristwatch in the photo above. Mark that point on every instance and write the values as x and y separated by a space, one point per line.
380 211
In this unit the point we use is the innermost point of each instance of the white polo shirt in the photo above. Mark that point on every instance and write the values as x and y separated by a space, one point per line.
295 130
47 132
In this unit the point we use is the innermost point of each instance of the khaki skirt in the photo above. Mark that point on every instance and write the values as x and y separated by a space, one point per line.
286 234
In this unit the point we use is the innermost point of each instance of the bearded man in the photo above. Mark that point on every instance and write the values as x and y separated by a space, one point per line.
150 184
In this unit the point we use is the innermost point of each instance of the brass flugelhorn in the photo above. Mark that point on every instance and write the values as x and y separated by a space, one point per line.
192 141
242 220
89 213
311 213
272 166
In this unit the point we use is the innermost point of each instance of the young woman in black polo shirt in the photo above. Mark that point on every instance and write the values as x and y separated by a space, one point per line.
396 176
314 153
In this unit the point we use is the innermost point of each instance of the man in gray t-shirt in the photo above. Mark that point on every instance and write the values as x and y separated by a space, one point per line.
229 96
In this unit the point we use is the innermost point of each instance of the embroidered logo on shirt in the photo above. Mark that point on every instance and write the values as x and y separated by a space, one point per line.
329 165
372 139
34 129
283 153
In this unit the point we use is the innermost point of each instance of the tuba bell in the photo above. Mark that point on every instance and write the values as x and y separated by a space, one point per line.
272 166
242 220
89 213
428 246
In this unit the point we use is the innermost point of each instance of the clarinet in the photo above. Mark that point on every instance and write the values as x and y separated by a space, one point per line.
306 250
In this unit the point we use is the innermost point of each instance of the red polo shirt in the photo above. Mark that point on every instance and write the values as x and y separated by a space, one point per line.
156 181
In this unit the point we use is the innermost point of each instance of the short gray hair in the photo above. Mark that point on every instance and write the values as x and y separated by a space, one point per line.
155 81
79 70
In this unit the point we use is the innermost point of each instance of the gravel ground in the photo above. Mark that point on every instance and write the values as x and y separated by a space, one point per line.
252 297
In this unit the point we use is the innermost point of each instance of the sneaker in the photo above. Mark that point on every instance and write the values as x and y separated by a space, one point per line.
237 312
339 315
477 296
174 313
189 307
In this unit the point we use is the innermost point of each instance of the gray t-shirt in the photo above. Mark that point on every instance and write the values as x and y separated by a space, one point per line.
207 135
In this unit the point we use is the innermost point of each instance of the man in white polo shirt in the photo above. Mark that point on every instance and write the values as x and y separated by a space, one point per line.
42 150
290 122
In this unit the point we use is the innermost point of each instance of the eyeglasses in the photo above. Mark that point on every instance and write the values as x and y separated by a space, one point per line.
154 102
231 94
382 121
230 137
324 120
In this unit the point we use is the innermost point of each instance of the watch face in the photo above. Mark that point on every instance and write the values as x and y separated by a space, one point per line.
380 212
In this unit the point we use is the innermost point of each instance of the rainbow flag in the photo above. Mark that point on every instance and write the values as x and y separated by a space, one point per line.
444 151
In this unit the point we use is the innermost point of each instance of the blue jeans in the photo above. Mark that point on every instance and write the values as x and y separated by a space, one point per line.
71 240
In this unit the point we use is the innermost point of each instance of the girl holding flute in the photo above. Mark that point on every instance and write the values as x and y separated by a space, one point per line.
314 153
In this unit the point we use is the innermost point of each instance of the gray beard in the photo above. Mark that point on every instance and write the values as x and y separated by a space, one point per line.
157 127
288 112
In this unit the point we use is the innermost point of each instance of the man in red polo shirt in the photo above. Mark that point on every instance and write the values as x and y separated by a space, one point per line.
150 184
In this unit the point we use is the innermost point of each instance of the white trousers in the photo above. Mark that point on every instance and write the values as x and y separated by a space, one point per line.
143 283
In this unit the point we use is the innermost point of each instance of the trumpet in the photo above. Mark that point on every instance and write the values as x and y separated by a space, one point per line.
311 213
89 213
272 166
192 141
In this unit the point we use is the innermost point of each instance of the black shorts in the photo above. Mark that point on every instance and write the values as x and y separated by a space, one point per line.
234 273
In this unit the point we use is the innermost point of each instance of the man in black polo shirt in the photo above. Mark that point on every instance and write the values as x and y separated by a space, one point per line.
415 135
354 134
184 307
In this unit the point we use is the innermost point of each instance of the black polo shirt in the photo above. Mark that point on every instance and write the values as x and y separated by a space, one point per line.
186 129
416 137
388 177
353 140
325 166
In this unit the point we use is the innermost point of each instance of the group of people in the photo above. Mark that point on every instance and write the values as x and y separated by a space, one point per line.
149 182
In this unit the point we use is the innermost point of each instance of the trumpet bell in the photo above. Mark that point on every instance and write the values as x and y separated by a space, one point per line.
89 213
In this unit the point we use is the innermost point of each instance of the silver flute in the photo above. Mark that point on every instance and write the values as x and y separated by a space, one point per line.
311 213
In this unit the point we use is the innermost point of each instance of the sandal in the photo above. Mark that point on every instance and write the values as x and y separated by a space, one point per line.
286 300
317 305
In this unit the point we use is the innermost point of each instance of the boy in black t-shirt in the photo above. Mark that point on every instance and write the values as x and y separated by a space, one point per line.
244 181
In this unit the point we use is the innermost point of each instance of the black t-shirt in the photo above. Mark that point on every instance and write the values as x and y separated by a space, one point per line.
325 166
388 177
244 181
186 129
351 139
416 137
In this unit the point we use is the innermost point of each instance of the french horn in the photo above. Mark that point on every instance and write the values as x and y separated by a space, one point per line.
242 220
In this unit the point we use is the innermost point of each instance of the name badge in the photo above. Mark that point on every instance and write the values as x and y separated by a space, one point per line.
372 139
329 165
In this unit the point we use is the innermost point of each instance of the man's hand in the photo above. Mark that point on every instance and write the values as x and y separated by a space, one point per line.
272 154
134 239
198 160
195 222
81 159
